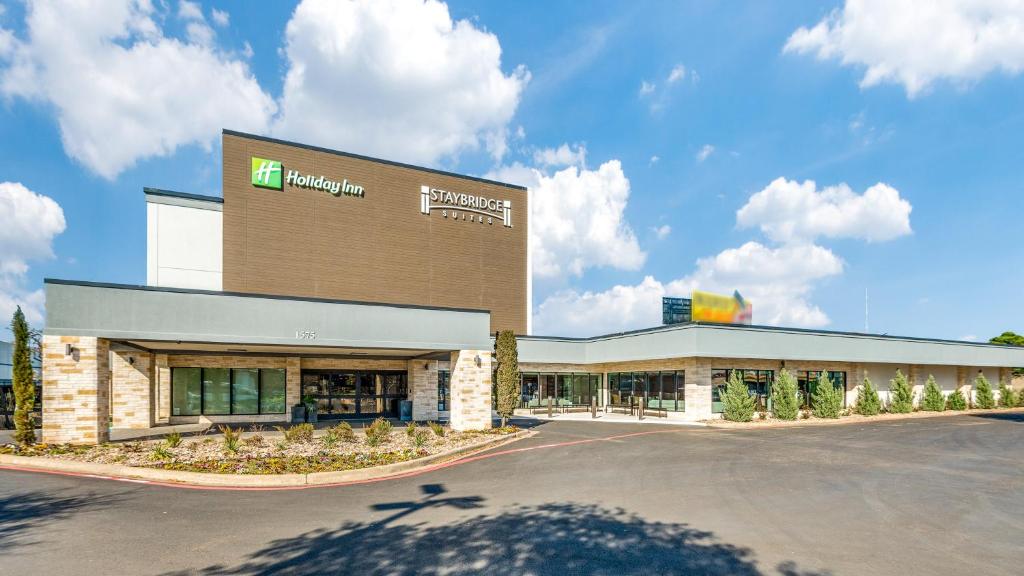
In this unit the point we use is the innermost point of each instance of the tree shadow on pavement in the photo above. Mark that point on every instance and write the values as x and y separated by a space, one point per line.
546 539
21 514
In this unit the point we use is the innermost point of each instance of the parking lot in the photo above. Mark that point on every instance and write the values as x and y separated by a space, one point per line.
935 496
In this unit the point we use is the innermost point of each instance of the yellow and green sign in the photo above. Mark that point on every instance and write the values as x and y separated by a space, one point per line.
708 307
266 173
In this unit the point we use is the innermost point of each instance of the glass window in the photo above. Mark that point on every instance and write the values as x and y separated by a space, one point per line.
216 391
564 395
245 391
442 389
186 392
272 390
719 379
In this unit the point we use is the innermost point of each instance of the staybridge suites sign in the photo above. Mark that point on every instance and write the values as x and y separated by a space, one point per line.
270 174
465 207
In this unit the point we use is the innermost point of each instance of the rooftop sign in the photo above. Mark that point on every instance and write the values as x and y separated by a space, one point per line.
270 174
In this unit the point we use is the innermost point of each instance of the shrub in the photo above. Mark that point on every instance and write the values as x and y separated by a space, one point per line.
868 402
23 384
419 439
231 438
437 428
1007 397
932 401
297 433
1020 398
983 396
785 405
901 396
739 404
378 432
330 438
956 401
507 386
173 439
254 440
828 400
161 453
410 429
344 432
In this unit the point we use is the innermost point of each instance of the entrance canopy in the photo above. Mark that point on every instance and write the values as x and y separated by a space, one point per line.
236 322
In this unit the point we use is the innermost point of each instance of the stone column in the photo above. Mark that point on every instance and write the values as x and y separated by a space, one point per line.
963 384
293 385
470 390
162 372
698 391
132 387
423 389
916 381
76 401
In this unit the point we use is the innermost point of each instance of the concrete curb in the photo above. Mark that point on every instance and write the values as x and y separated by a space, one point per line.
847 420
119 471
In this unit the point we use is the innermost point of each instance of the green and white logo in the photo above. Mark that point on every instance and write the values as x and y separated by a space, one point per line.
266 173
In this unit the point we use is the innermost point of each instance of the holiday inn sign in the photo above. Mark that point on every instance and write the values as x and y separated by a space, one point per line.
270 174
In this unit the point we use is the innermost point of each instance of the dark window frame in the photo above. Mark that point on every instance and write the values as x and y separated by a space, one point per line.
231 392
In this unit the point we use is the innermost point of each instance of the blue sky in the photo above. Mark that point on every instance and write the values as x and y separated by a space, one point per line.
675 120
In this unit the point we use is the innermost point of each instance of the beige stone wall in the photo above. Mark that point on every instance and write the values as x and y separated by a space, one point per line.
76 401
162 372
423 389
132 387
470 390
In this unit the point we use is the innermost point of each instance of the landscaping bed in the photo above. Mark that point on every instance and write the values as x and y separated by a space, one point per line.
851 418
295 450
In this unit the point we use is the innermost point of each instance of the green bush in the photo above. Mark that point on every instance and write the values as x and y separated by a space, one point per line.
344 432
419 439
378 432
173 439
983 397
23 380
1007 397
739 404
161 453
933 400
437 428
410 429
1020 398
827 399
297 433
901 396
868 402
956 401
507 390
784 401
231 438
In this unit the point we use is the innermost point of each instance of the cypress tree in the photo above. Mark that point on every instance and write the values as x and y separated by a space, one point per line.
23 381
739 404
983 397
784 401
901 396
507 353
933 400
956 401
827 399
868 402
1007 397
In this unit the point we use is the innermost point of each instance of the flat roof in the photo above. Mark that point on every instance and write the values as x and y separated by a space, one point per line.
369 158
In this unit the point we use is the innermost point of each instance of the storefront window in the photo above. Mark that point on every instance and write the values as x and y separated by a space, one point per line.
216 391
245 391
223 391
807 384
186 392
442 389
569 389
662 390
272 391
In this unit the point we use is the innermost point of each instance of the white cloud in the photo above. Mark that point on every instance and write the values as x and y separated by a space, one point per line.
969 338
778 281
653 160
646 88
122 90
661 232
220 17
398 79
704 152
564 155
28 224
678 73
920 42
190 10
788 211
578 219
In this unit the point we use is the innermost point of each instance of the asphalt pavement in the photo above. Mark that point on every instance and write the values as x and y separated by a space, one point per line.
928 496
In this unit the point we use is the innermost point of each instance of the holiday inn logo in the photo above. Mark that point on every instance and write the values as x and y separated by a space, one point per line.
266 173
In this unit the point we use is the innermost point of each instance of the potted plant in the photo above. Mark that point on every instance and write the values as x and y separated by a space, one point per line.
310 403
298 413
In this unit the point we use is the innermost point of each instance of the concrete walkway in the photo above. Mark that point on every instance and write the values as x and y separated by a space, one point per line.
603 418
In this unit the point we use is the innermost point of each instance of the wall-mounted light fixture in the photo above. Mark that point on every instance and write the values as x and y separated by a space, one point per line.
426 366
131 360
69 349
478 361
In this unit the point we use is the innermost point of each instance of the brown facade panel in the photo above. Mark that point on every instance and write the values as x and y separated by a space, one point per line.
375 248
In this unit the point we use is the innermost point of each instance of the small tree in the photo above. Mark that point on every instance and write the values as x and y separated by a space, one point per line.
956 401
1007 397
23 381
1020 398
868 403
508 375
901 396
983 397
827 399
933 400
739 404
785 405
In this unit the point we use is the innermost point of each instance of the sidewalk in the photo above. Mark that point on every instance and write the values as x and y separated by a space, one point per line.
606 418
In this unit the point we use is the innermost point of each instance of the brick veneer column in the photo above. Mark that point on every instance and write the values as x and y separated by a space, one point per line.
76 402
698 391
293 385
470 390
162 373
132 386
423 389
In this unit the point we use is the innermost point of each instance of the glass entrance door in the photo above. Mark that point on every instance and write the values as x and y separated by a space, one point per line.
355 394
